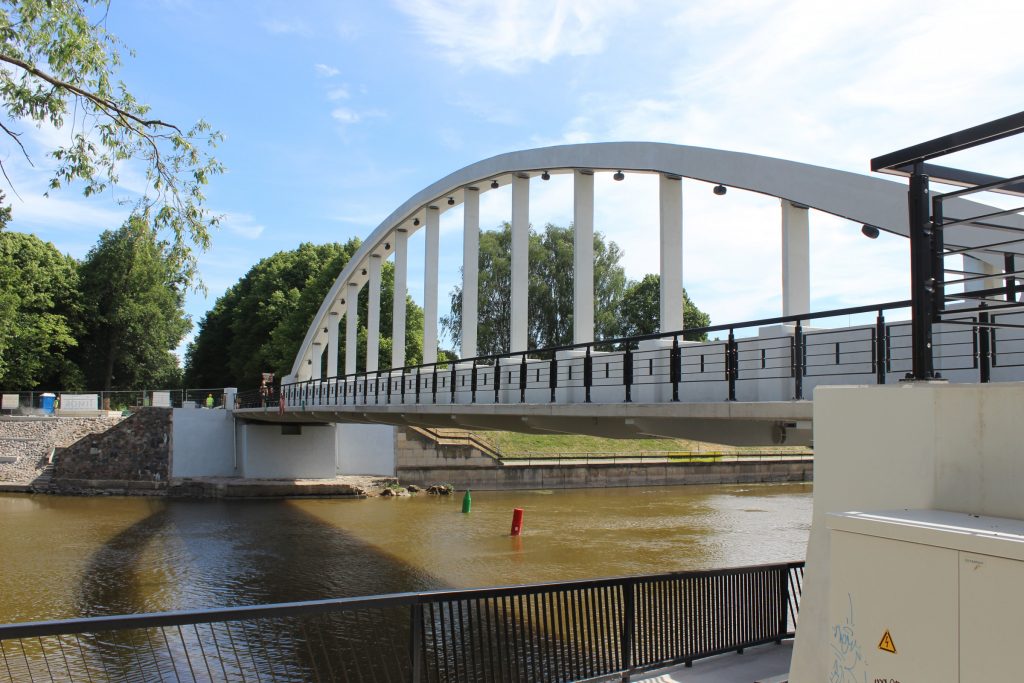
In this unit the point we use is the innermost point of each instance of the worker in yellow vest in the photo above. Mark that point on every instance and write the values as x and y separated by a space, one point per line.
209 400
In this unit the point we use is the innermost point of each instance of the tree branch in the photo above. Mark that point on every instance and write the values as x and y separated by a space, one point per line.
101 102
17 138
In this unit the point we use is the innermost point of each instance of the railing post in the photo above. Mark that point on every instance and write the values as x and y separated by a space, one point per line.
627 373
522 380
731 364
922 279
675 368
401 395
472 383
984 346
1010 267
783 603
388 397
376 389
433 386
416 642
880 345
553 374
366 383
628 626
455 375
798 366
418 384
344 392
497 381
588 374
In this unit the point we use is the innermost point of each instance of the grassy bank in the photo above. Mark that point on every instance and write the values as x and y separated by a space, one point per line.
516 445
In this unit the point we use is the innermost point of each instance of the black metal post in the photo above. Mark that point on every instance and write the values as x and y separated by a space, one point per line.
389 387
472 383
416 642
366 384
938 268
922 281
553 374
401 396
588 374
731 364
880 348
497 381
628 625
433 386
455 375
627 374
798 365
783 603
418 383
522 380
376 389
1009 267
984 346
676 370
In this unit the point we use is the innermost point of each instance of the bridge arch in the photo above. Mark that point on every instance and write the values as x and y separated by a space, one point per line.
798 186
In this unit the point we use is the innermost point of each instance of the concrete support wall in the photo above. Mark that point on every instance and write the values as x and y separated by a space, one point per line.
511 478
365 449
583 258
203 443
796 259
264 452
917 445
671 221
519 323
470 270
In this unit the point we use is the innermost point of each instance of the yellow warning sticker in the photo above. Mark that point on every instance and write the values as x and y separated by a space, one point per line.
886 643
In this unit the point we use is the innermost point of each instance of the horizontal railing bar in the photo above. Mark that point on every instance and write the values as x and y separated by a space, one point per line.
994 214
288 609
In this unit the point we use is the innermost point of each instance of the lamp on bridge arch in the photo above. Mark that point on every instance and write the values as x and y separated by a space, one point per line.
494 184
619 175
720 189
545 176
451 201
870 231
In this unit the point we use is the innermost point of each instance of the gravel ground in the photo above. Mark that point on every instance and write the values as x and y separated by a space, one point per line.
30 440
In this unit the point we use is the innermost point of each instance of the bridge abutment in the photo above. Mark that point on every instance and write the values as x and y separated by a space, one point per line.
921 445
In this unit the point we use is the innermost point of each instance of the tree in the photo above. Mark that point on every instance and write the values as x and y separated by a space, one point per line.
38 302
60 67
133 313
550 290
639 311
259 323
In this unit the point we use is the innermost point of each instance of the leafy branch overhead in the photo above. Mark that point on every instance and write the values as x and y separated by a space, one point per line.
57 67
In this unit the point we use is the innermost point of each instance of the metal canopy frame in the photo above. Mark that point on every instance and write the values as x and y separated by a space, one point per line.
929 298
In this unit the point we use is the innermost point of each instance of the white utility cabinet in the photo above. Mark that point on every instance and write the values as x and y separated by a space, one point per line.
925 595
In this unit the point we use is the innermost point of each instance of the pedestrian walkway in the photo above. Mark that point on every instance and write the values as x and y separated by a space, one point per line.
763 664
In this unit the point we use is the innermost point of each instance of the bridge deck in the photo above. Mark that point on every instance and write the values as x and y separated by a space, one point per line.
728 422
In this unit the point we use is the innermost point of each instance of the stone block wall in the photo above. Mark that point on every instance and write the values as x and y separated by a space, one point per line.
413 450
136 450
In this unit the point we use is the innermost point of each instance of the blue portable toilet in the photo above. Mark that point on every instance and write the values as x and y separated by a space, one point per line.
46 402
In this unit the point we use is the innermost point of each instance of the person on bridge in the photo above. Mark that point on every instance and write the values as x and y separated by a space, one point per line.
209 400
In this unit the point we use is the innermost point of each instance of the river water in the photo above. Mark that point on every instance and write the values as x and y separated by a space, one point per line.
71 556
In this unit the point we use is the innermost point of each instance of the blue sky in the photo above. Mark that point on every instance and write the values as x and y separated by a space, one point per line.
336 112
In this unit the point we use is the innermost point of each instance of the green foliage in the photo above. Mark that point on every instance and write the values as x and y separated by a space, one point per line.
60 67
259 323
133 314
640 311
38 305
622 308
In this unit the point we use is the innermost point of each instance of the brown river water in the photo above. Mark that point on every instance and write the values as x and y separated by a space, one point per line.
71 556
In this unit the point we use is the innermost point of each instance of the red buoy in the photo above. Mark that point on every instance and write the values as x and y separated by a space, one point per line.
517 521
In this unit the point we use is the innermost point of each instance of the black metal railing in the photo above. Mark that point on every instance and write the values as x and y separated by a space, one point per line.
567 631
990 234
785 360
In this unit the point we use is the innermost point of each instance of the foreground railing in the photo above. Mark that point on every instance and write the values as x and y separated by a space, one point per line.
785 359
564 631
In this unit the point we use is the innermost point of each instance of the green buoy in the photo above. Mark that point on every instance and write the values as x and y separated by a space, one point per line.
467 502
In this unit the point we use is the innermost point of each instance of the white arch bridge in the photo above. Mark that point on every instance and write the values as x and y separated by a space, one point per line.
747 387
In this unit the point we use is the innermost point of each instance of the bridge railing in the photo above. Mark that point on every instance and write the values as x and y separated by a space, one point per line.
564 631
784 358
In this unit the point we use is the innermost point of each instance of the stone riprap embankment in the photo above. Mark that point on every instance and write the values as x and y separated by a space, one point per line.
26 442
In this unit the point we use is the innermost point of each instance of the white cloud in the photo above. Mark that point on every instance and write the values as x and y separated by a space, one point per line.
242 225
286 27
345 115
338 94
508 36
325 71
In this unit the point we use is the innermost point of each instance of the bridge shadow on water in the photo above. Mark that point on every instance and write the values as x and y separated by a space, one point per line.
198 555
